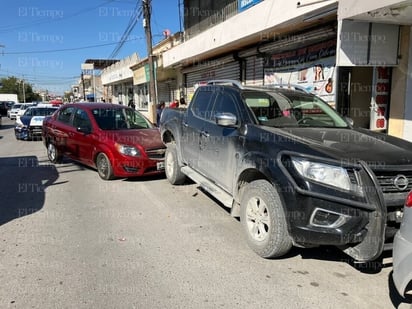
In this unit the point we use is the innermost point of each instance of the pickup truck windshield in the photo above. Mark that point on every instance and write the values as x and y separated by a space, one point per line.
280 109
119 119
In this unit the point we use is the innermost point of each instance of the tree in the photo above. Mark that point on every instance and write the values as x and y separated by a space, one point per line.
20 87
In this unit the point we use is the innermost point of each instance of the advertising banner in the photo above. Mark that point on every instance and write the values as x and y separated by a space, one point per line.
311 67
245 4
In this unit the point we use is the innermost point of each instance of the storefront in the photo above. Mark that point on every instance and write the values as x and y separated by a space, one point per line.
311 67
367 52
141 86
201 71
117 81
357 85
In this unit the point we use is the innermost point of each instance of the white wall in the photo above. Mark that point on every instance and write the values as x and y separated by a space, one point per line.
407 129
350 8
254 21
119 71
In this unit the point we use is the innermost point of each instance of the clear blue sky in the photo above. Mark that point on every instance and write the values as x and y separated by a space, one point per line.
44 42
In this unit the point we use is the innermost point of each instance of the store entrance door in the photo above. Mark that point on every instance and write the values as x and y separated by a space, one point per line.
354 94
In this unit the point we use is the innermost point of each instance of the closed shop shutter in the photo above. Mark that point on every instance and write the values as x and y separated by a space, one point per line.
254 71
163 92
230 70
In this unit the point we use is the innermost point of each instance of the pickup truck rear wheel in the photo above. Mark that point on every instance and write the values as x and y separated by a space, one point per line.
53 153
104 167
172 168
263 220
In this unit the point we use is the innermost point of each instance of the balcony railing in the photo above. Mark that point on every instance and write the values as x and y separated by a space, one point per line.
218 17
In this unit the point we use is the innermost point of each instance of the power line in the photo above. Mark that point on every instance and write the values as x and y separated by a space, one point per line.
69 49
126 33
47 20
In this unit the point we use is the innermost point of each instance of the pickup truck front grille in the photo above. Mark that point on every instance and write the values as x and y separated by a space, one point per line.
156 154
394 182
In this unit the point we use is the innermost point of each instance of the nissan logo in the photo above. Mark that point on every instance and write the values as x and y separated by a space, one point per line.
401 182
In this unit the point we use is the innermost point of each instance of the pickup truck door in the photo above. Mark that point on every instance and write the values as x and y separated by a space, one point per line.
193 126
219 144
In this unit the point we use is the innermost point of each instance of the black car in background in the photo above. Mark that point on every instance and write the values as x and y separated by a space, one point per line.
5 106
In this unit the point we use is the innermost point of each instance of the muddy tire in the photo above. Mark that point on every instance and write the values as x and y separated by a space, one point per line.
172 168
264 221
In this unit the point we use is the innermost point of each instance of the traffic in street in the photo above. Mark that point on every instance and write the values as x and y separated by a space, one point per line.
70 239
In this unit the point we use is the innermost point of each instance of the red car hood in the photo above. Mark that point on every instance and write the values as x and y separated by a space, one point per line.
147 138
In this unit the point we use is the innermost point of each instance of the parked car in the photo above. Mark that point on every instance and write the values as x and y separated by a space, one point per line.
23 108
29 125
114 139
18 109
295 171
5 106
402 250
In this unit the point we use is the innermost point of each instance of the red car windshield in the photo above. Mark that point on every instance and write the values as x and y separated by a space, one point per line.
120 119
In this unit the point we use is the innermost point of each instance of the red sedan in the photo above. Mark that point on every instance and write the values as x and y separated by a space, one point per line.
114 139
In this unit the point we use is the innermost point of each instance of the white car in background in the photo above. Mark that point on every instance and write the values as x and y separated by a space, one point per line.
23 108
18 109
402 250
14 110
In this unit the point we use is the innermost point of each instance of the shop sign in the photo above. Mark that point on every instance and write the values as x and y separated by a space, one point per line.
316 77
312 67
304 55
380 99
245 4
147 71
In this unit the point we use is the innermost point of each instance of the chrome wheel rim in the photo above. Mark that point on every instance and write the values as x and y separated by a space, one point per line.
102 166
51 150
257 219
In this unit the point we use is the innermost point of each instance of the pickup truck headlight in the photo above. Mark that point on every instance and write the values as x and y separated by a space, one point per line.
128 150
326 174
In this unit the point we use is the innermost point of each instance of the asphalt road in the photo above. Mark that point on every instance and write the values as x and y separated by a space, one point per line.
71 240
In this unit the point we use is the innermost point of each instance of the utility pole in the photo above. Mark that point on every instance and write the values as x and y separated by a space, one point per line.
84 90
147 7
24 91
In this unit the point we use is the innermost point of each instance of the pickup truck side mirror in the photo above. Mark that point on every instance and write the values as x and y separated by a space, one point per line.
349 121
226 120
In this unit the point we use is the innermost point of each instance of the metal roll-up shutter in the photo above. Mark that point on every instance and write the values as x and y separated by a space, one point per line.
191 80
254 71
163 92
229 70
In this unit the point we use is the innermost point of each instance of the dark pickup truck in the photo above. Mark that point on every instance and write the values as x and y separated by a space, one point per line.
295 171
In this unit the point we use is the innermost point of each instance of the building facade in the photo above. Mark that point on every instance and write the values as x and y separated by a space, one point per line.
166 79
117 81
357 62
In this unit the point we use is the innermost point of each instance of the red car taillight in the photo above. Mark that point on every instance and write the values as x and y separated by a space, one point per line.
408 202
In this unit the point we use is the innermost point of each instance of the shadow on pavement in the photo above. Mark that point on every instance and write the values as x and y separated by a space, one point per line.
23 184
6 126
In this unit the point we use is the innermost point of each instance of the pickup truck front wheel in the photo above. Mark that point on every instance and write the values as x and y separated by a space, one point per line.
172 168
263 220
